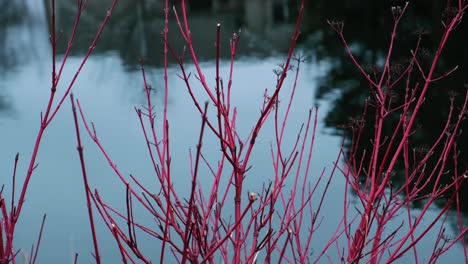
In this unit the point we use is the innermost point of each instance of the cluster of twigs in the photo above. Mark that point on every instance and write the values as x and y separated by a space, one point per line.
278 223
196 228
369 172
11 214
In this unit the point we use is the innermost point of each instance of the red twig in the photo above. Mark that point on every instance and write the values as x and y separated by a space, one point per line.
85 181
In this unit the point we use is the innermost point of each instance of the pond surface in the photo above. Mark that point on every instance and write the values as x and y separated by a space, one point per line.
109 87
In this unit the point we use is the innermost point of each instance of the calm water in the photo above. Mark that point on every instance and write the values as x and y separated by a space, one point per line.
109 87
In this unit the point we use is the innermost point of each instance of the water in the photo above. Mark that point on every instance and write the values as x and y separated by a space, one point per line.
109 89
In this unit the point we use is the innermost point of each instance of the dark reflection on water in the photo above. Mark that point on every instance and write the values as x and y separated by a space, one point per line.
9 18
367 26
266 28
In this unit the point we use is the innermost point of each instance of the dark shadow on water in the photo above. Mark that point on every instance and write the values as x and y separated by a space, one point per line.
367 27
